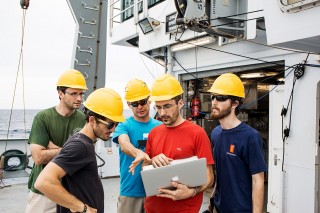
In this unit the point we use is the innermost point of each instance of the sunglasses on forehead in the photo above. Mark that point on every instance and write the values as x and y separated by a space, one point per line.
220 97
109 125
137 103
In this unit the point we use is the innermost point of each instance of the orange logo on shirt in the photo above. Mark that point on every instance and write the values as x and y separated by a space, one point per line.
231 148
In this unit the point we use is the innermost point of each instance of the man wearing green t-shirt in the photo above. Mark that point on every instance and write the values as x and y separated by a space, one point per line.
50 130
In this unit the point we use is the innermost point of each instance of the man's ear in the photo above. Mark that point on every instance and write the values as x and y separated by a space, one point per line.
235 103
92 119
181 103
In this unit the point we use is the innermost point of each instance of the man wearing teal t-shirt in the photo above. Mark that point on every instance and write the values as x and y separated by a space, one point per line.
132 136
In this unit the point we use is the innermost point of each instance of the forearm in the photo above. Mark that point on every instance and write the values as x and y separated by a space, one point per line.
129 149
49 183
210 179
45 156
257 192
58 194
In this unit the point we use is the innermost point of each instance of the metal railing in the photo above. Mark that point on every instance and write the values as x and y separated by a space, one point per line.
123 10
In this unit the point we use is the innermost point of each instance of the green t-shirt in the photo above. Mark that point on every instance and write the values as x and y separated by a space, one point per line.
49 125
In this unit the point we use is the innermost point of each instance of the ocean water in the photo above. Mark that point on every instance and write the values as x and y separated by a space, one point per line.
17 124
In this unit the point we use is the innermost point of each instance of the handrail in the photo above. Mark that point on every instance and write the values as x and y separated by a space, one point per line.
118 15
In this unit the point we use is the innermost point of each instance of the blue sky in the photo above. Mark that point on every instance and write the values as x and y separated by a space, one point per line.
48 45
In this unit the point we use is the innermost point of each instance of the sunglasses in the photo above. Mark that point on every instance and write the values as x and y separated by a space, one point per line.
220 97
137 103
109 125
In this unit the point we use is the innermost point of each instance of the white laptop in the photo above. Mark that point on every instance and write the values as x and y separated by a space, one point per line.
190 171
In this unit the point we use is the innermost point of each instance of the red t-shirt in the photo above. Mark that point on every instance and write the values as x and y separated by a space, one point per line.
183 141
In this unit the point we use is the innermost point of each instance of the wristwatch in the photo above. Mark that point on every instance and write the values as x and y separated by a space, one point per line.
84 208
195 191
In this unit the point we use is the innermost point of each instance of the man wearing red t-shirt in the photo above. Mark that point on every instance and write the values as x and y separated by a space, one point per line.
176 138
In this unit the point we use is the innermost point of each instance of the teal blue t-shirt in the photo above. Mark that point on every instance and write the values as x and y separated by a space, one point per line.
131 185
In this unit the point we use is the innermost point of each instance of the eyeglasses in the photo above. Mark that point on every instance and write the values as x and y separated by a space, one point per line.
109 125
141 103
75 94
220 97
164 107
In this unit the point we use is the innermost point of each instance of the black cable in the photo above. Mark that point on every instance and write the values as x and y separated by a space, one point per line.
298 71
183 30
247 57
186 70
166 58
103 162
242 107
146 65
274 47
286 131
20 63
196 57
313 65
283 146
233 22
239 14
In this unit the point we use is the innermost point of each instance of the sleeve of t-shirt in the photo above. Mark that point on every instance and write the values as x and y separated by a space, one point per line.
204 149
72 157
255 155
39 134
149 142
120 130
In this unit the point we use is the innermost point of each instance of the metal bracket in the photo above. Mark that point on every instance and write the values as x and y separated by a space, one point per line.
85 51
95 7
275 159
81 64
92 22
91 35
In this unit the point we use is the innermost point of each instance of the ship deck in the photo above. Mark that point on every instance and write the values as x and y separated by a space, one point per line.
13 197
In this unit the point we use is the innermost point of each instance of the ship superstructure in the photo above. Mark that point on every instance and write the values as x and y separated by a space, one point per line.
273 46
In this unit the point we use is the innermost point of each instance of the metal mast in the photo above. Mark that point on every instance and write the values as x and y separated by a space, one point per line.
90 51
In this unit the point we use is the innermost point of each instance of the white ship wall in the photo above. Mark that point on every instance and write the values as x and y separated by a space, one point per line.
301 147
296 188
300 179
293 30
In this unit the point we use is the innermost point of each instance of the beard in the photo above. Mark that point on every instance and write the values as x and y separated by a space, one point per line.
219 114
99 134
170 120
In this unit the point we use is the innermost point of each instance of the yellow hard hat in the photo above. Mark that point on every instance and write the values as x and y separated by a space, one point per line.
165 87
228 84
136 90
72 79
107 103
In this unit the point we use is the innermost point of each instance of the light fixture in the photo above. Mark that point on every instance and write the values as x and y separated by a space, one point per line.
258 74
253 75
192 43
148 24
263 87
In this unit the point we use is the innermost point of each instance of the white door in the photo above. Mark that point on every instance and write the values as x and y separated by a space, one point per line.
109 153
275 178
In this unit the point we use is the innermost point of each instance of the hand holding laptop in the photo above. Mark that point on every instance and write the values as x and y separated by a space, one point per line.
161 160
182 175
180 192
